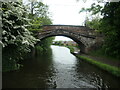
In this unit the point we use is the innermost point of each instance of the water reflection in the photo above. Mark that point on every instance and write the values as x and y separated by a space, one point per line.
57 68
36 73
95 76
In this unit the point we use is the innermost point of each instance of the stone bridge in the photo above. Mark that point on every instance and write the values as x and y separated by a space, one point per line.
86 38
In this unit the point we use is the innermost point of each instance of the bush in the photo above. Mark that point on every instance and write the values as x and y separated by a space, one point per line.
16 39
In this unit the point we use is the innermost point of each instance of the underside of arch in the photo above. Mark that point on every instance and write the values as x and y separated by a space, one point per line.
81 45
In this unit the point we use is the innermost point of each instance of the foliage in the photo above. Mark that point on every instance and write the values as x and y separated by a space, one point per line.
37 22
16 39
93 20
108 25
94 9
94 24
40 17
71 48
100 53
60 43
38 50
110 28
45 43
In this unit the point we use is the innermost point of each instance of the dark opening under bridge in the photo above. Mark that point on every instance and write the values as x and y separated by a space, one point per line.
86 38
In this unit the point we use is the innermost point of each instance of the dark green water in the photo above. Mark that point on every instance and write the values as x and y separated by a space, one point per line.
58 68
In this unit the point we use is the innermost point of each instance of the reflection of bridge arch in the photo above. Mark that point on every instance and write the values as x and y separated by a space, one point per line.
84 36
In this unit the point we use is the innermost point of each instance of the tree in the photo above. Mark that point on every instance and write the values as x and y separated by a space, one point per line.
16 39
110 27
94 24
39 18
94 15
108 24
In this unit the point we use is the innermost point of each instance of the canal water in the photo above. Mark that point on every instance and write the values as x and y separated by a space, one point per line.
58 68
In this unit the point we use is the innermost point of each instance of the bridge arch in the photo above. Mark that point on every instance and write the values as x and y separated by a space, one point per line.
82 46
84 36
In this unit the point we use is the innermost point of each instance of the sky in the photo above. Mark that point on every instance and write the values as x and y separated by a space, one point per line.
66 12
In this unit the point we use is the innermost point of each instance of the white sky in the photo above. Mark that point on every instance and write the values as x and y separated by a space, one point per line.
66 12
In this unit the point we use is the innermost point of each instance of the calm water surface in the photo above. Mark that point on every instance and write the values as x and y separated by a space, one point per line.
58 68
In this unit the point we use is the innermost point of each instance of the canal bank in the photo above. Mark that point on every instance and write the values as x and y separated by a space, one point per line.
113 67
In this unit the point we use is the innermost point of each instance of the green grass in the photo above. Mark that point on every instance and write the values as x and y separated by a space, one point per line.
71 48
111 69
100 53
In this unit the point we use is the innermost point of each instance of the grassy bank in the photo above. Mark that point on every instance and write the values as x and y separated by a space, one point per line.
111 69
71 48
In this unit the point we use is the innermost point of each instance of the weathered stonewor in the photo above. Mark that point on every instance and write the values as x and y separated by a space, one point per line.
86 38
